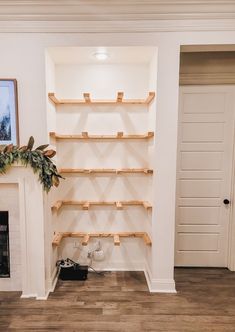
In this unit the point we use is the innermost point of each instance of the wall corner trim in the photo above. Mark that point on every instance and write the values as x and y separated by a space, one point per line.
53 280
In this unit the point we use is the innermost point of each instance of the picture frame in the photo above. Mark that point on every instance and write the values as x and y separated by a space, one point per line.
9 123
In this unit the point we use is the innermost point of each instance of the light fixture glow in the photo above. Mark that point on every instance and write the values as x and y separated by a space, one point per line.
101 56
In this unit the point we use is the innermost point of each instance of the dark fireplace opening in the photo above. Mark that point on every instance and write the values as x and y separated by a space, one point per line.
4 245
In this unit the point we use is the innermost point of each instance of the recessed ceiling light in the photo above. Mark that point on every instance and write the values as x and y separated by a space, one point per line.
101 56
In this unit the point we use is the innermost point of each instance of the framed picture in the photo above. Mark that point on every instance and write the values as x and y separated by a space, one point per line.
9 127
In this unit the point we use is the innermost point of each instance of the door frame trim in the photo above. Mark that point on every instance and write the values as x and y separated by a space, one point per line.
231 235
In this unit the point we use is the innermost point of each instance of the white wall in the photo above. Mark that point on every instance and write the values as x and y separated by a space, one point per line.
164 182
50 86
152 148
26 62
101 80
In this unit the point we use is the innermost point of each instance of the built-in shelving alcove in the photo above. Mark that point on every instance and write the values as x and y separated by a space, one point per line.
101 120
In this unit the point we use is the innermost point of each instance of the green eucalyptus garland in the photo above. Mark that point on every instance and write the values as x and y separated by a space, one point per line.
39 159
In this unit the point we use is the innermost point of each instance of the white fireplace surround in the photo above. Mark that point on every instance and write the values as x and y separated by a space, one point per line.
36 281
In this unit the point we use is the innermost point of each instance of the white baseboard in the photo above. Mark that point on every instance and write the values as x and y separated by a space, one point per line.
121 269
163 286
23 296
50 286
43 297
118 266
28 296
51 283
159 285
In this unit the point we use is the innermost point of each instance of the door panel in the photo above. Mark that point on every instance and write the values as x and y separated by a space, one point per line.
199 215
200 188
204 104
198 241
202 132
201 161
205 154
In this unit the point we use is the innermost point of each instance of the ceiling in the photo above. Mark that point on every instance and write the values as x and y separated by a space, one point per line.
85 55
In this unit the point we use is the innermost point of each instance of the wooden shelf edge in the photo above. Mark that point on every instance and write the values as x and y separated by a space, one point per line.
150 98
57 205
88 101
53 98
88 171
85 136
87 204
86 237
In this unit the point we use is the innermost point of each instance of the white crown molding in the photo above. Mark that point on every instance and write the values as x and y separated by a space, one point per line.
72 16
114 26
108 3
108 10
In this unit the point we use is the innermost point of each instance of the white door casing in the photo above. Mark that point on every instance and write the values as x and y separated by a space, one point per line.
204 175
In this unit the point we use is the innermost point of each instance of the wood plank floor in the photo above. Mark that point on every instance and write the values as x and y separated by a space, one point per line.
120 301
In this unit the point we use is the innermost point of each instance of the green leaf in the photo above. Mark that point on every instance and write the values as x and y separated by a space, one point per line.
9 148
42 147
5 149
23 148
30 143
50 153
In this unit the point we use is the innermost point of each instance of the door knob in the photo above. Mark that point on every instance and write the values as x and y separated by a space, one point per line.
226 201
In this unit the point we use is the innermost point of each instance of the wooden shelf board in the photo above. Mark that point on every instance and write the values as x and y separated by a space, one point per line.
86 236
87 204
85 136
105 170
88 101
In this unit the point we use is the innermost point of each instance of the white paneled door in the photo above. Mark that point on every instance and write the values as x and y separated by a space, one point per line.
204 176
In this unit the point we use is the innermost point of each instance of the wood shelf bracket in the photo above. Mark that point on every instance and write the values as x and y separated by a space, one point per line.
120 97
116 240
87 98
53 98
119 206
150 98
147 205
86 206
85 240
